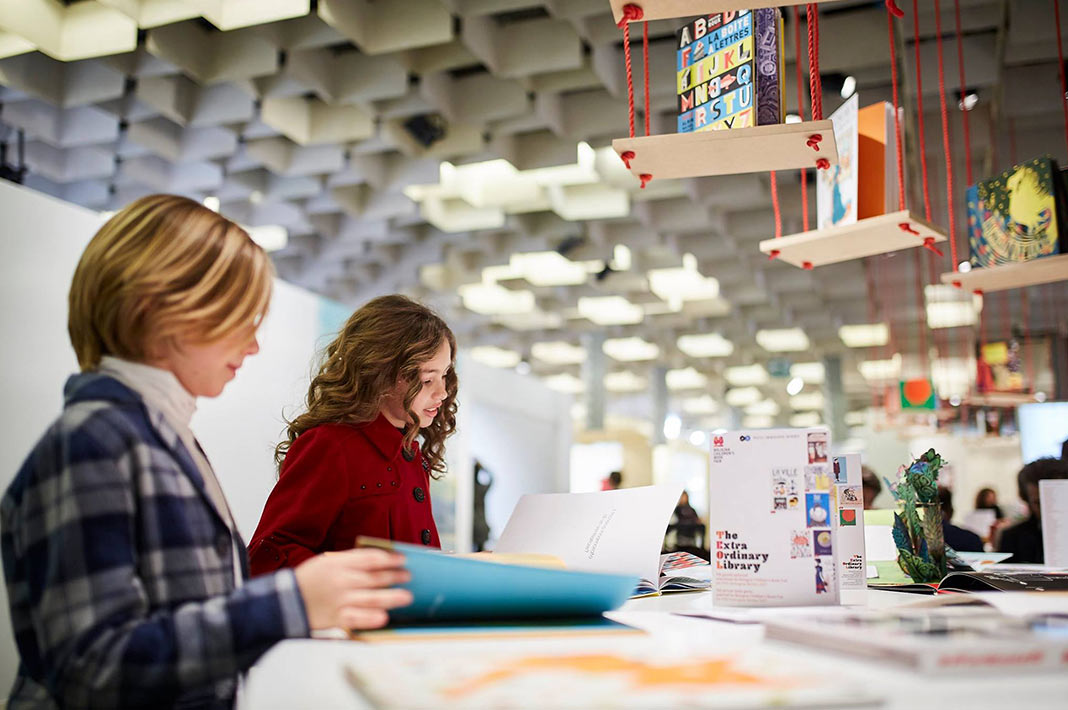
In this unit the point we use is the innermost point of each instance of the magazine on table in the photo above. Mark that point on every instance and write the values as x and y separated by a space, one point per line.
619 532
949 639
679 572
986 581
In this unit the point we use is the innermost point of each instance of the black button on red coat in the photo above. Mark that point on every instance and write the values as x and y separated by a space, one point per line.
426 537
420 496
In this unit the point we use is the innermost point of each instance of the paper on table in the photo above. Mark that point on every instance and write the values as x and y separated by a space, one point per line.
879 535
1019 604
977 560
1053 497
617 531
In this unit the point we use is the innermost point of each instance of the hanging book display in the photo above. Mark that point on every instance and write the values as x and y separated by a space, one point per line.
770 518
1018 215
729 71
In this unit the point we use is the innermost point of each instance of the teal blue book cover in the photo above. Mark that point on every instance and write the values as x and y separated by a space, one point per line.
450 587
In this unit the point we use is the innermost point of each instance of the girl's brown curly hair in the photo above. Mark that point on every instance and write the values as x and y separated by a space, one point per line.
389 338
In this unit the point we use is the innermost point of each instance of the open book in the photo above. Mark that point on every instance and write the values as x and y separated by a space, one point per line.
448 587
986 581
679 572
618 531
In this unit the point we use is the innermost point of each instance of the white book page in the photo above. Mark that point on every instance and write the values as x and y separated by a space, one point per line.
1053 498
618 531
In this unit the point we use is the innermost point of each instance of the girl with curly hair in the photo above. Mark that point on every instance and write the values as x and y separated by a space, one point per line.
351 465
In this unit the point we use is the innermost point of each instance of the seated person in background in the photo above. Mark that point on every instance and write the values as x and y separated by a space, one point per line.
987 499
1024 539
687 526
872 488
613 482
959 539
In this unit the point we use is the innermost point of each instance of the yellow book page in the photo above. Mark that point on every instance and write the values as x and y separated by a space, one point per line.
516 558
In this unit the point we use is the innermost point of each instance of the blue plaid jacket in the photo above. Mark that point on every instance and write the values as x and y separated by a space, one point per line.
120 572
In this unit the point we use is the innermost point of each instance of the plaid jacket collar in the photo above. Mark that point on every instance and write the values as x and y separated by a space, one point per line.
93 386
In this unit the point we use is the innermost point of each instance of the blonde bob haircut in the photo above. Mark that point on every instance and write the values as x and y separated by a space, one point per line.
164 268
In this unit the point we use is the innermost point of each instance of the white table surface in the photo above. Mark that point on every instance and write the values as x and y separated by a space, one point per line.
308 673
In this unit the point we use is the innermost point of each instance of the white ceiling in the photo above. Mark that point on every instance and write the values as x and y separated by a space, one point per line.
292 112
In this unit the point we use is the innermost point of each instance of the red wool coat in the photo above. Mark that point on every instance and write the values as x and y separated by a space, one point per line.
339 481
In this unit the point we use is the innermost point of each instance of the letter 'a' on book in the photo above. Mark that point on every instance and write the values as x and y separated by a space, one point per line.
618 531
773 537
447 587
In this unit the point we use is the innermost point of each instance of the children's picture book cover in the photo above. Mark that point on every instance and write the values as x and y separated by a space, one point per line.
770 518
628 671
1017 214
728 70
836 187
877 191
849 527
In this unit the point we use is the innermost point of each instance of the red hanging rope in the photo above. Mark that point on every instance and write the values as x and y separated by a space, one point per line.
815 82
922 322
897 118
1025 316
775 205
1060 66
630 75
919 111
800 111
945 139
963 90
645 67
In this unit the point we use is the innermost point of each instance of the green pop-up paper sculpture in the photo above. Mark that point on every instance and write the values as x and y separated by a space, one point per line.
918 527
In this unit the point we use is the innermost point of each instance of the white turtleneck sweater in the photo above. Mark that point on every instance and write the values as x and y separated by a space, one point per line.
162 391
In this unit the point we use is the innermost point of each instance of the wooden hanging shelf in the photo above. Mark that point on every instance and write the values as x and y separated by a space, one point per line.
666 9
999 399
866 237
782 146
1044 270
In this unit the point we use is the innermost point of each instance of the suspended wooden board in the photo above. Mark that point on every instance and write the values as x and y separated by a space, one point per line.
1044 270
782 146
665 9
866 237
999 399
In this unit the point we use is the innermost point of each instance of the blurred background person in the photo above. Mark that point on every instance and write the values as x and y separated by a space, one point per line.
872 488
1024 539
959 539
987 499
614 481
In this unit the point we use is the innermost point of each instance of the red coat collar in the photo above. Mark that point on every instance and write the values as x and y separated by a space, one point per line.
385 437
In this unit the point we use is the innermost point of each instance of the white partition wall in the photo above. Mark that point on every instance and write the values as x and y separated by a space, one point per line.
519 429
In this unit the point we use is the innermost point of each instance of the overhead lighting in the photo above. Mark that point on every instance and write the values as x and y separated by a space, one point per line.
807 401
864 335
569 384
805 419
558 352
783 340
212 203
255 197
610 310
705 345
794 386
849 86
704 404
768 407
793 118
880 370
494 356
490 299
856 418
698 438
535 320
633 349
743 396
271 237
625 381
952 376
968 102
578 411
549 268
522 367
950 307
964 267
621 258
672 426
810 372
743 375
684 283
686 379
759 421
